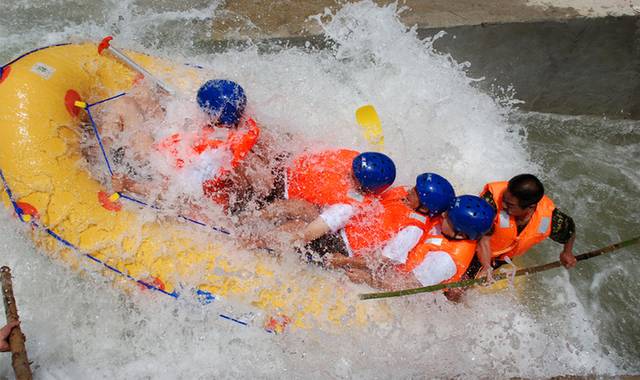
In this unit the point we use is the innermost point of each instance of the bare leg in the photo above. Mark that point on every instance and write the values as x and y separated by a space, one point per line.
293 226
337 260
294 209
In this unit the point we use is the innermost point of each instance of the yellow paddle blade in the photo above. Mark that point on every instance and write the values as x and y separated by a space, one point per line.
368 119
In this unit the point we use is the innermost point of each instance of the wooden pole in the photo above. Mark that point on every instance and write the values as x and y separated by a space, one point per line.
19 358
519 272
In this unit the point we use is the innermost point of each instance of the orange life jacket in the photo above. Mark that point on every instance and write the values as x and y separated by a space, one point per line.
370 230
238 142
461 251
323 178
505 240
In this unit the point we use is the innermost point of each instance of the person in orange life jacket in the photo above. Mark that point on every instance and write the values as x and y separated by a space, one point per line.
214 153
212 98
443 255
229 134
324 190
398 227
125 116
525 217
128 114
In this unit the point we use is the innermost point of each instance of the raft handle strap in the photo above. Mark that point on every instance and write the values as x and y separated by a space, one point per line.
124 196
16 208
87 107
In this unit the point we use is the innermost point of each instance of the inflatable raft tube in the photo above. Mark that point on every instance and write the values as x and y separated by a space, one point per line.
44 181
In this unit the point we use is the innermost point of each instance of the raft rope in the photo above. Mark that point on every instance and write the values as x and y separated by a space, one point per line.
500 276
16 208
203 296
87 107
65 242
33 51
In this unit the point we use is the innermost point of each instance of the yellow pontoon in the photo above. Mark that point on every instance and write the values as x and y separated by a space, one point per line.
44 95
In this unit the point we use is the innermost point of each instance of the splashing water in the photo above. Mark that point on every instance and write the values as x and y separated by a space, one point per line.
434 120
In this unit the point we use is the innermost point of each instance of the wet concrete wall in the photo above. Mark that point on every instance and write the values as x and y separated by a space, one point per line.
562 60
578 66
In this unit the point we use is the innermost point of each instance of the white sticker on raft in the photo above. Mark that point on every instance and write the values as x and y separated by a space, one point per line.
43 70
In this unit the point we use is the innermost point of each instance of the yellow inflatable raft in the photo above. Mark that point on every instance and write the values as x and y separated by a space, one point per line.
42 96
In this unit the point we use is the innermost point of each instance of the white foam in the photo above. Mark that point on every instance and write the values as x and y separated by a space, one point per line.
78 326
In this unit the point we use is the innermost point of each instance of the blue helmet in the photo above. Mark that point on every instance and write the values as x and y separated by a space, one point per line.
374 171
222 99
471 215
435 192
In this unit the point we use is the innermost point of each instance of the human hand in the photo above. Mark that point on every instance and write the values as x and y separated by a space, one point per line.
487 273
454 294
4 335
119 182
568 259
263 242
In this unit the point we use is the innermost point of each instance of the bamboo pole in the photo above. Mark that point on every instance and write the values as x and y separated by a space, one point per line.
19 358
501 276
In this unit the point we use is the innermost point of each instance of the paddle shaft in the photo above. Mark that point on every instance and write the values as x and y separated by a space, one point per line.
19 359
132 64
500 276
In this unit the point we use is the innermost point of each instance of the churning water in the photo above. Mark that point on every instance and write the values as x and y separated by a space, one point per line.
577 322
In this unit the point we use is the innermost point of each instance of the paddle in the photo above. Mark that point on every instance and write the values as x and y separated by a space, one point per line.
105 44
19 357
367 118
501 276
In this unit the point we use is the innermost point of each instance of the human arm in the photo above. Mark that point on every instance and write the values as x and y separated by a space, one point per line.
395 250
483 251
566 256
339 260
302 231
332 219
317 228
122 114
285 209
386 278
563 231
141 144
436 267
